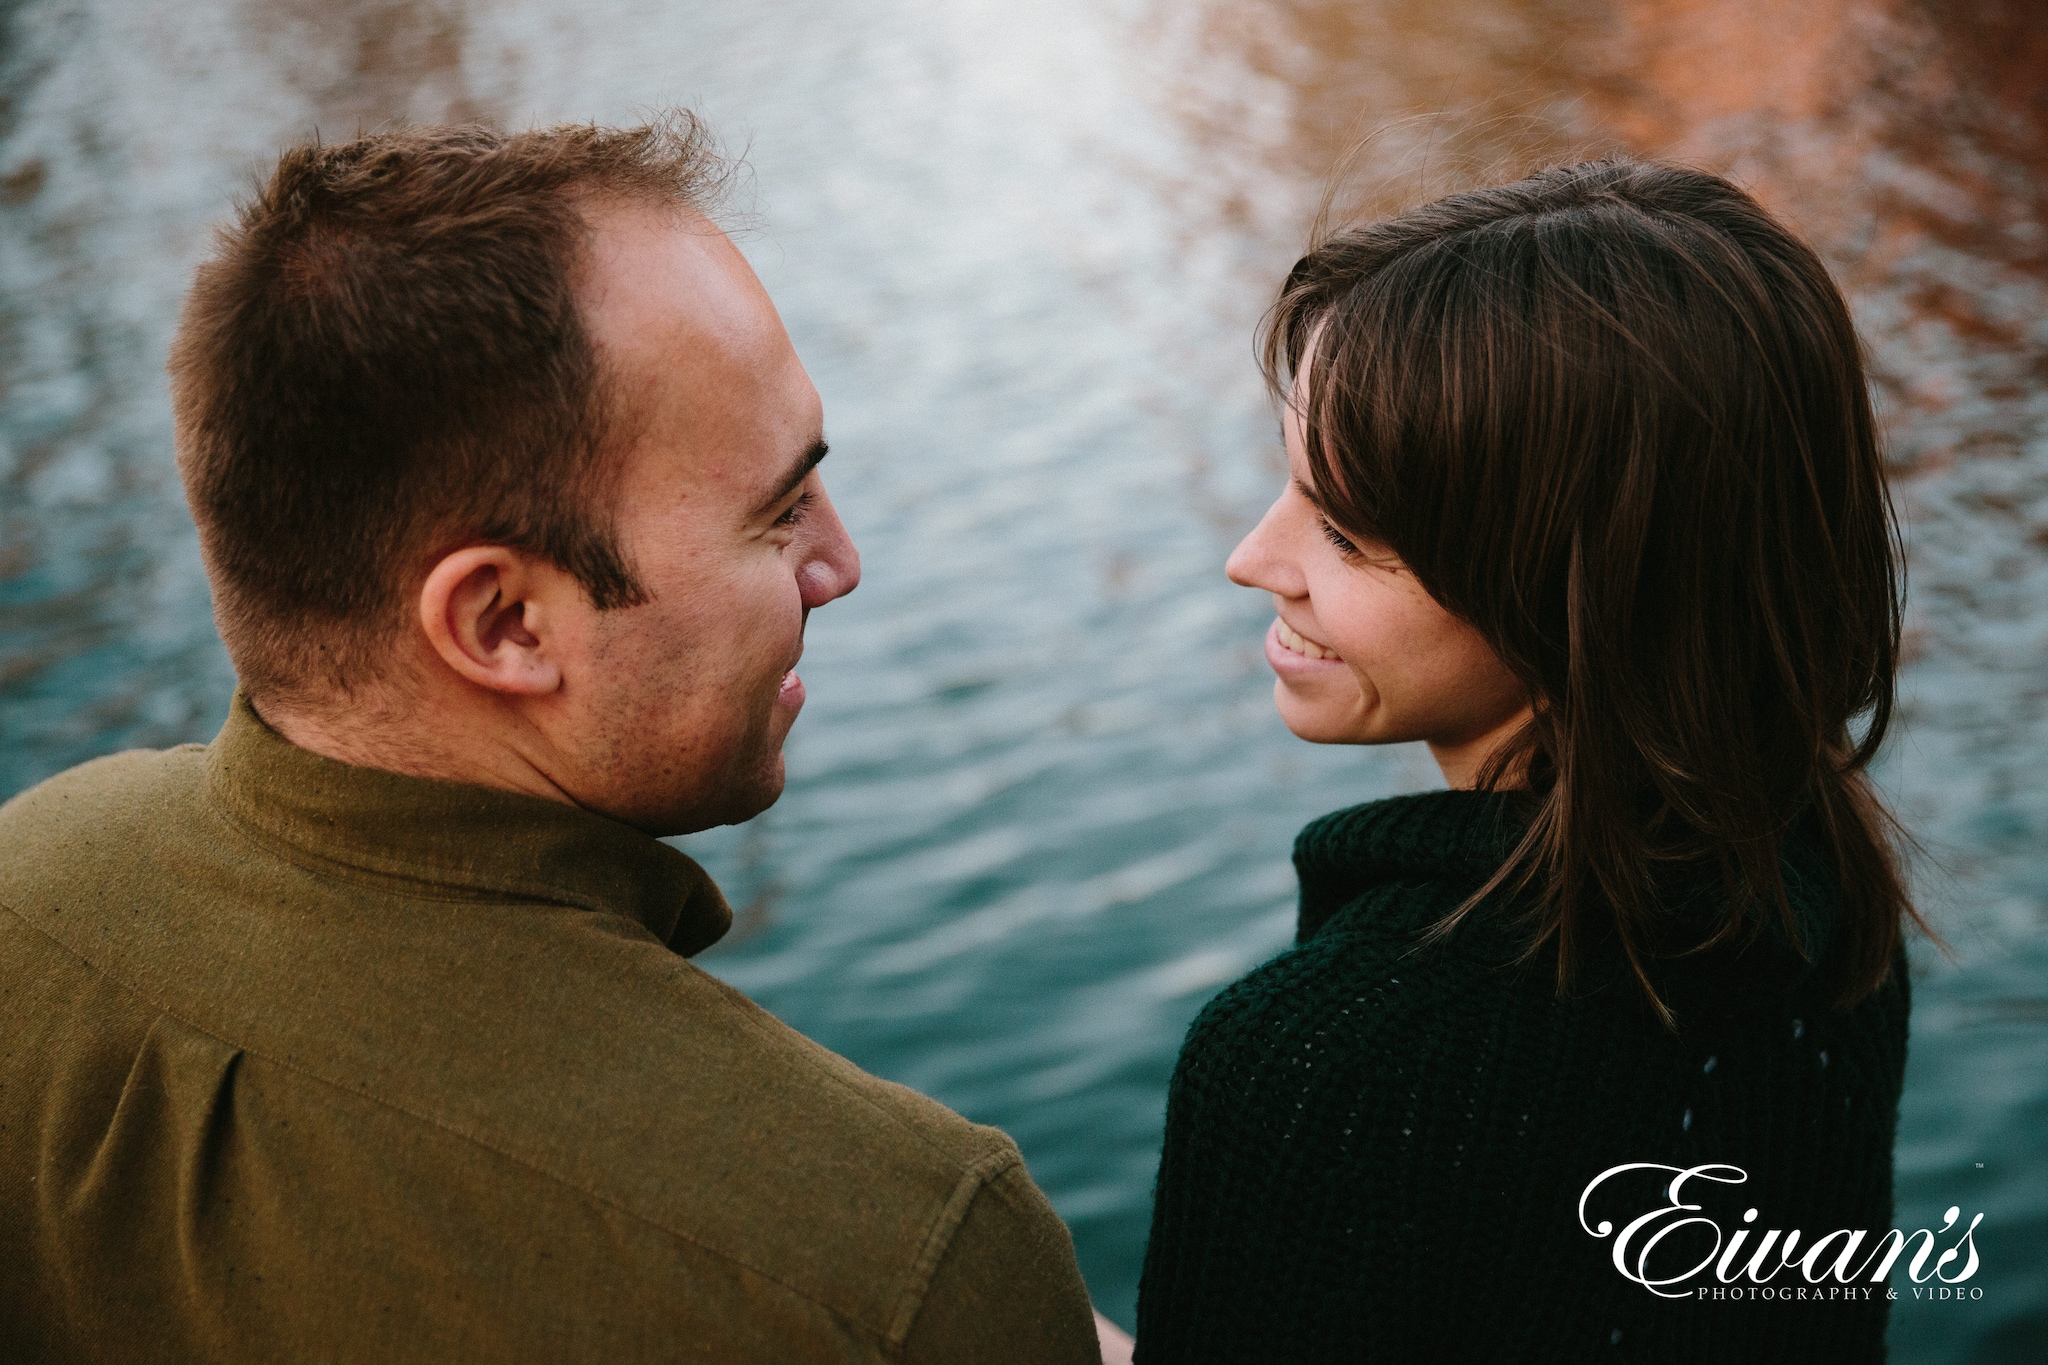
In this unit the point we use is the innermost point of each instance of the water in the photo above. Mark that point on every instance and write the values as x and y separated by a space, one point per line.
1039 806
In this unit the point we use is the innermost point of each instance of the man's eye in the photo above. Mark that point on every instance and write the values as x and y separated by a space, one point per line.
796 511
1336 537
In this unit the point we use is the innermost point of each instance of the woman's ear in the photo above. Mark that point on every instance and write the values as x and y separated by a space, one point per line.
486 610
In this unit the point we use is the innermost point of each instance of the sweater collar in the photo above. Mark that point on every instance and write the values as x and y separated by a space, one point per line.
464 840
1461 836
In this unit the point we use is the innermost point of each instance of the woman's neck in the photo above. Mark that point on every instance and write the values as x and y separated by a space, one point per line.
1463 760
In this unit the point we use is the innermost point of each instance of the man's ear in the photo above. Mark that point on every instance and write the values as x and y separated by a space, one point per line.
491 614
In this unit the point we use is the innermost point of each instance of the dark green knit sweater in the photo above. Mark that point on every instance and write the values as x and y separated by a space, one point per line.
1377 1152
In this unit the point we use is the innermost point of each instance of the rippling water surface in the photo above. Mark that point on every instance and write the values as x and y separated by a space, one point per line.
1039 805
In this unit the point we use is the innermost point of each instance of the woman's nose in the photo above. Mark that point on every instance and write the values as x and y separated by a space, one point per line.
1255 562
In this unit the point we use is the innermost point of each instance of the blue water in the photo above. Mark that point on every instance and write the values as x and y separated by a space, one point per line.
1039 806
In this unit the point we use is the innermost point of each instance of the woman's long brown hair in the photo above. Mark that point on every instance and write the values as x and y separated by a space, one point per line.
1615 416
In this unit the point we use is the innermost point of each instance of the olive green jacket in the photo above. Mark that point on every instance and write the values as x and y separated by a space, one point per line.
302 1061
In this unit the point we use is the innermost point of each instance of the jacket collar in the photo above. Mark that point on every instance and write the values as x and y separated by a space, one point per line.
460 841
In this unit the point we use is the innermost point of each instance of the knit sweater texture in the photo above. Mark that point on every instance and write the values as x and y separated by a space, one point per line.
1376 1151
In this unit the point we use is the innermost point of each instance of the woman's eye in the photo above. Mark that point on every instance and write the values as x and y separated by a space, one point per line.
1336 537
795 513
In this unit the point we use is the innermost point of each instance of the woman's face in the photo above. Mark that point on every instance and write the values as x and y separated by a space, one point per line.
1363 654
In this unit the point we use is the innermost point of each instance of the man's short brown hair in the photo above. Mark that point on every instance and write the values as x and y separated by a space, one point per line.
383 360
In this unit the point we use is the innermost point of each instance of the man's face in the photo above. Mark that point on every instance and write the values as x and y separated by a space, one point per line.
678 707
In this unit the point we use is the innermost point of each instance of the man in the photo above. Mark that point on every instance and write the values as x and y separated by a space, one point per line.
367 1032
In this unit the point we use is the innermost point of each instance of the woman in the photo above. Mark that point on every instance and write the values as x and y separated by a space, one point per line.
1585 494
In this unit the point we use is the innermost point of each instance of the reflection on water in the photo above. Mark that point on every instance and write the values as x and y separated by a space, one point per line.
1039 806
364 64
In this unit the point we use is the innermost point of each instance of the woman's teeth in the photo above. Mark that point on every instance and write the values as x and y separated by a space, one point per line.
1300 644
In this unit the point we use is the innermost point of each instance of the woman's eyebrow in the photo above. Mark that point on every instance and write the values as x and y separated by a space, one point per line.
798 472
1314 500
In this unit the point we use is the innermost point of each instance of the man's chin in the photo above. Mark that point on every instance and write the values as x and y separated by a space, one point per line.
734 801
751 798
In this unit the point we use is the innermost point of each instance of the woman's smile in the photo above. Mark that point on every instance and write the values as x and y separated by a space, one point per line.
1293 655
1292 639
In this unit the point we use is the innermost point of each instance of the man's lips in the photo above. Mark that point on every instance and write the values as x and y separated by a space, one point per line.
791 693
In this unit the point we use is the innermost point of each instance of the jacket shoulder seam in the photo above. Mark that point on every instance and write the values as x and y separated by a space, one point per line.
973 1181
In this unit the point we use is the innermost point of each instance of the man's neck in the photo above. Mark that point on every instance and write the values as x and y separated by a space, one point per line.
375 730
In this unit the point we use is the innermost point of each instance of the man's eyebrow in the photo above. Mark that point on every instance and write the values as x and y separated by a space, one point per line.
798 472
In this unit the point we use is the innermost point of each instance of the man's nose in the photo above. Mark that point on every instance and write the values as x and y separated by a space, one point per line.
832 568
